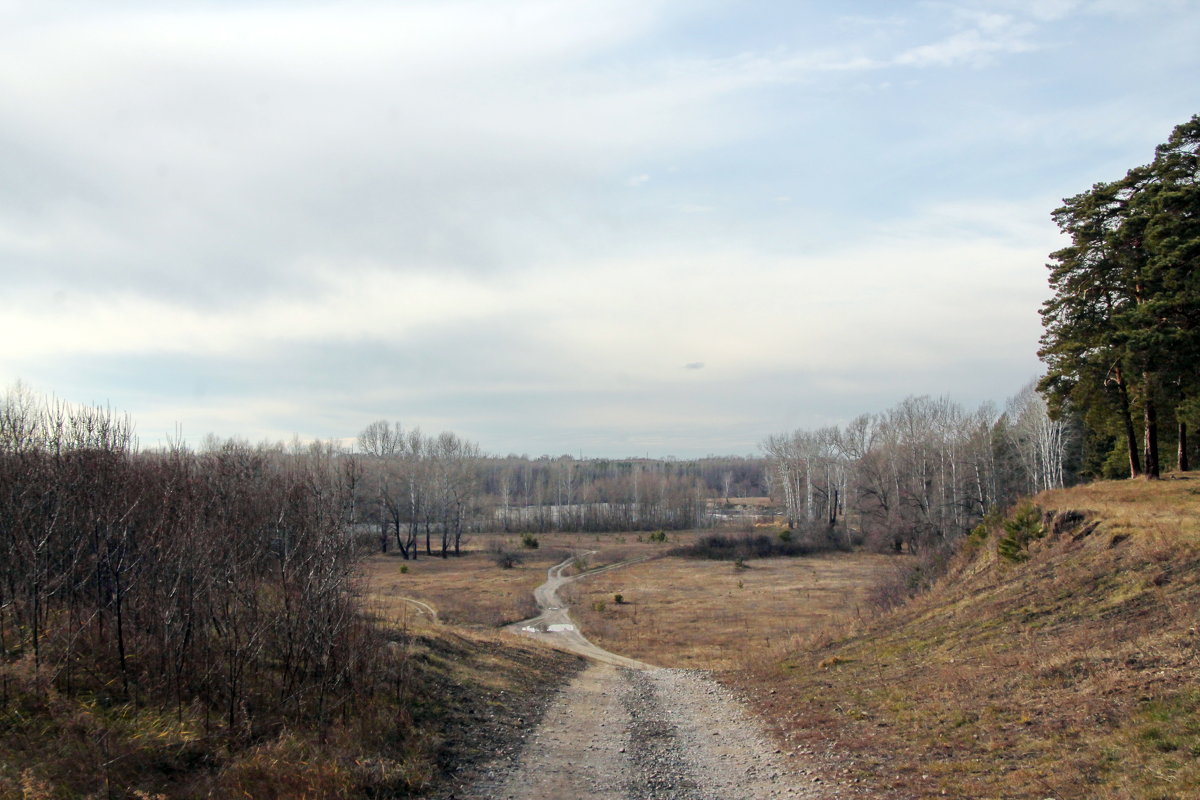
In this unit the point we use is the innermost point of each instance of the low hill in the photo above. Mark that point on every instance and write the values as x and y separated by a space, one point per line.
1058 658
461 697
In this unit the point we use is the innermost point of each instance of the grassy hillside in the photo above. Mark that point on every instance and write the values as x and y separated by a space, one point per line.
1069 668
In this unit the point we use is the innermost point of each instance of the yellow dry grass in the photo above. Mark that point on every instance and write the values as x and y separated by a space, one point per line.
690 613
1166 506
470 590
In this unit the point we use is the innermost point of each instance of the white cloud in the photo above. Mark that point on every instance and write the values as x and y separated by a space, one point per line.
430 202
990 36
634 316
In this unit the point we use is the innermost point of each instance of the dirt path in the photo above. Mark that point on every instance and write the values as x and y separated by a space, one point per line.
624 730
555 624
423 608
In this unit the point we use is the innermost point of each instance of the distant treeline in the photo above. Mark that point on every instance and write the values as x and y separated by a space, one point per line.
923 472
424 493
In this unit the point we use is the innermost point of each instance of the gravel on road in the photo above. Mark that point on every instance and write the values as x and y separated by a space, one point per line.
625 730
624 734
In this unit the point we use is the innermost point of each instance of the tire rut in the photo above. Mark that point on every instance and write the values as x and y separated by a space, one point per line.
657 767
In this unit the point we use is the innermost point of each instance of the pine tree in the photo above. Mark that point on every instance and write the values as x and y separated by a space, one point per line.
1122 330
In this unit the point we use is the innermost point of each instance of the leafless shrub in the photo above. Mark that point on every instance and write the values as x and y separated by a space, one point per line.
505 559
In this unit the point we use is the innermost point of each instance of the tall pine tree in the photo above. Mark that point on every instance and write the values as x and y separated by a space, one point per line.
1122 330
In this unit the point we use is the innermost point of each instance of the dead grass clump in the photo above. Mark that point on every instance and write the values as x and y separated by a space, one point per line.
503 557
833 661
286 768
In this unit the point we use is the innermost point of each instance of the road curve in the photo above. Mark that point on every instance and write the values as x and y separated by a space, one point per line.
422 608
626 730
555 625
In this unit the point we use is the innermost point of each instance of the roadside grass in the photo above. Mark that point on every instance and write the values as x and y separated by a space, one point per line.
479 688
699 613
1073 674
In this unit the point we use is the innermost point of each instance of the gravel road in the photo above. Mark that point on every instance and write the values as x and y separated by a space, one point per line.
624 730
622 734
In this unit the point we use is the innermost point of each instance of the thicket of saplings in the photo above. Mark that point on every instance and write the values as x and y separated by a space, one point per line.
213 590
802 541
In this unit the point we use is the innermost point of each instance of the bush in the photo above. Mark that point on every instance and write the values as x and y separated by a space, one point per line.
658 536
506 559
721 547
974 541
618 599
1023 526
529 541
896 586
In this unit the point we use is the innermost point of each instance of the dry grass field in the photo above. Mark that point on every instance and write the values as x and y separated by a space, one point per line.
470 590
696 613
474 590
674 611
1073 674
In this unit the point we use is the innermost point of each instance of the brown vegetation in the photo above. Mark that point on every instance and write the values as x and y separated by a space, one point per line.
471 590
698 613
189 625
1071 673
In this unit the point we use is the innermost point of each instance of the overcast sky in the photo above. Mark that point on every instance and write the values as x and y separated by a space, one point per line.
605 227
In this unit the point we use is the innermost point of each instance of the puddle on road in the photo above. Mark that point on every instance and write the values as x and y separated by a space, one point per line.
556 628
